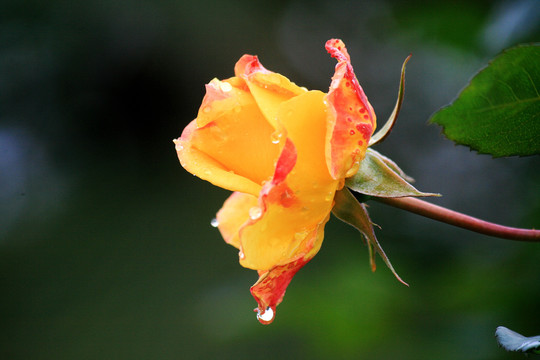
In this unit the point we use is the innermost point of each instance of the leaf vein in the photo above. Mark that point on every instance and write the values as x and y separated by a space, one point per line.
501 106
532 81
509 88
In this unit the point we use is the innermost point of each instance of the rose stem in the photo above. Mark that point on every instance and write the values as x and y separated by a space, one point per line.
451 217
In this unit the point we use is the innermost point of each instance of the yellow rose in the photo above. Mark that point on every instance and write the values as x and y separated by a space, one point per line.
284 151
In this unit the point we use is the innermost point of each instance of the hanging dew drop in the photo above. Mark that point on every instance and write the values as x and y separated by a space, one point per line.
214 222
265 317
255 213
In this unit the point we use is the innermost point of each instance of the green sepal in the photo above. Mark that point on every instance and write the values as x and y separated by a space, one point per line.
385 130
379 176
352 212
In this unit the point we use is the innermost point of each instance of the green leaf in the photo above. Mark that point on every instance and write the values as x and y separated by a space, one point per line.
381 177
385 130
349 210
498 113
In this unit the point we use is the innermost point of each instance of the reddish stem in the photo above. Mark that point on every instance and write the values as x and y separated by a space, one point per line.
451 217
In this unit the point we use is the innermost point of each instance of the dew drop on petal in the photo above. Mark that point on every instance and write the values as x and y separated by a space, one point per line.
207 109
266 316
255 213
276 137
241 255
178 145
225 86
352 132
214 222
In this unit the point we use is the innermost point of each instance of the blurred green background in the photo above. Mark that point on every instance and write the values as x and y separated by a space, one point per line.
106 248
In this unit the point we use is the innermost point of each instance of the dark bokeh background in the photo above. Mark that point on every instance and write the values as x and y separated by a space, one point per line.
106 248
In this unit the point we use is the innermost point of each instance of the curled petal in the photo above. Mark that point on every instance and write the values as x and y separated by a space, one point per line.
351 119
229 123
268 88
233 214
270 289
299 197
233 90
208 168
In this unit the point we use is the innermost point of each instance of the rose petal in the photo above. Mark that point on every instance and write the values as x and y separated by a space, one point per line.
351 119
233 214
299 197
270 289
229 135
268 88
207 168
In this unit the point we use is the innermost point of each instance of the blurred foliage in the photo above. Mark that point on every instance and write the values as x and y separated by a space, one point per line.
105 245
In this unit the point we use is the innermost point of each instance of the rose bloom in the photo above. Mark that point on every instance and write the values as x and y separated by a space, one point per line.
284 151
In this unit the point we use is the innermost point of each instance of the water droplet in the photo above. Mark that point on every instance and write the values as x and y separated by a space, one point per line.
276 137
207 109
266 316
352 132
329 197
255 213
178 145
225 86
241 255
214 222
